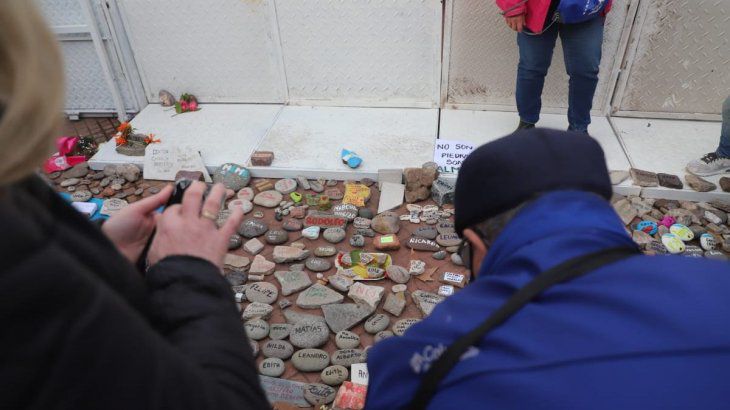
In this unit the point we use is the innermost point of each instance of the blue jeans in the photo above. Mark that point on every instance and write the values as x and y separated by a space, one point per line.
582 50
724 149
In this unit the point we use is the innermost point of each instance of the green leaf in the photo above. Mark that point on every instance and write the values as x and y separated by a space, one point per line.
178 108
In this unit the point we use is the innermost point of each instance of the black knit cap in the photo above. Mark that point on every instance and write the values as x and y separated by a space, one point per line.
506 172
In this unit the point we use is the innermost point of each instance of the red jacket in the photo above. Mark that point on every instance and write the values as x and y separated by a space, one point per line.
535 11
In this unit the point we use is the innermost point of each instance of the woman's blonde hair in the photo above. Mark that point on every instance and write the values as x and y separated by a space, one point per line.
31 89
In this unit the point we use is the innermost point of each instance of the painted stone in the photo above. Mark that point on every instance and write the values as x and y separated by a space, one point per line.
386 223
649 227
324 251
398 274
276 237
316 186
316 296
232 176
682 232
386 243
340 282
669 181
234 242
416 267
357 241
334 235
376 323
291 225
383 335
707 241
246 194
693 251
268 199
422 244
311 233
448 239
277 348
316 264
344 339
308 334
673 243
81 196
346 211
426 232
347 357
344 316
324 220
284 391
310 360
716 255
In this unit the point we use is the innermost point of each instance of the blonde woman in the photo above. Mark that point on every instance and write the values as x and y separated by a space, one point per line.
81 327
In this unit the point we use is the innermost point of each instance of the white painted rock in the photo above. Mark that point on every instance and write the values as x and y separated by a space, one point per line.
673 243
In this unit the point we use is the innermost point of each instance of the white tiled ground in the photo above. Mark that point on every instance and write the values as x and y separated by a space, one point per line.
308 140
221 132
666 146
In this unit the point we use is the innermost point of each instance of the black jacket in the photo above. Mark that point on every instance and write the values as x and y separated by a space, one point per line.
81 328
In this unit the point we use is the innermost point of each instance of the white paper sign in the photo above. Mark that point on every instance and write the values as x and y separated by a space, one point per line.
162 162
450 154
359 373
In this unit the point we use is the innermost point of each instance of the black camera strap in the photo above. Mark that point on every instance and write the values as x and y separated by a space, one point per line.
564 272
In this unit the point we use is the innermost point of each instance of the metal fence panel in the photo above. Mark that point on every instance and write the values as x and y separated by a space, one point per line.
682 61
483 58
373 52
221 51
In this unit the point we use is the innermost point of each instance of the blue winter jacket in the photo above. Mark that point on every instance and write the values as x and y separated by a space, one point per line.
648 332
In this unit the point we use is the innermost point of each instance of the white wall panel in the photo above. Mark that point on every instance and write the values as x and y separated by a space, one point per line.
682 58
366 52
483 57
221 51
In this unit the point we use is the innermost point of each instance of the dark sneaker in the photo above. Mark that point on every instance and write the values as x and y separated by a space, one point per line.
710 164
524 126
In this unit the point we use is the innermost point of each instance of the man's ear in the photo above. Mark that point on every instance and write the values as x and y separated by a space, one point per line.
479 249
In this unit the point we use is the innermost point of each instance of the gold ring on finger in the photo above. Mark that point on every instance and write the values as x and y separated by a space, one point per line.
209 215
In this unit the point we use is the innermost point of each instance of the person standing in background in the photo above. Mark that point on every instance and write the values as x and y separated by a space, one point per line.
538 24
718 161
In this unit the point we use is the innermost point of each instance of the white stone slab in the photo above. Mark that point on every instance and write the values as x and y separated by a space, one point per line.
667 146
391 196
307 140
480 127
221 132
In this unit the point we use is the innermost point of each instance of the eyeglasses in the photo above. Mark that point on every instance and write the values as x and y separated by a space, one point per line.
466 254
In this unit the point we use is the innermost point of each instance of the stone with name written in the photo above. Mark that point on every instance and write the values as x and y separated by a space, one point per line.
316 186
268 199
263 292
261 266
367 232
448 239
669 181
361 223
253 246
319 394
272 367
245 206
366 294
334 194
344 316
309 333
112 206
334 375
81 196
316 264
292 282
292 225
340 282
346 211
400 327
347 357
376 323
344 339
285 391
287 254
395 303
416 267
277 348
256 329
643 178
398 274
276 237
445 227
334 235
232 176
234 242
324 251
310 360
318 295
256 310
279 331
426 232
246 194
426 301
460 279
252 228
383 335
285 186
357 241
324 220
422 244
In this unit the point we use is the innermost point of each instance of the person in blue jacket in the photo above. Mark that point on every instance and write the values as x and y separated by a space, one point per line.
642 332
